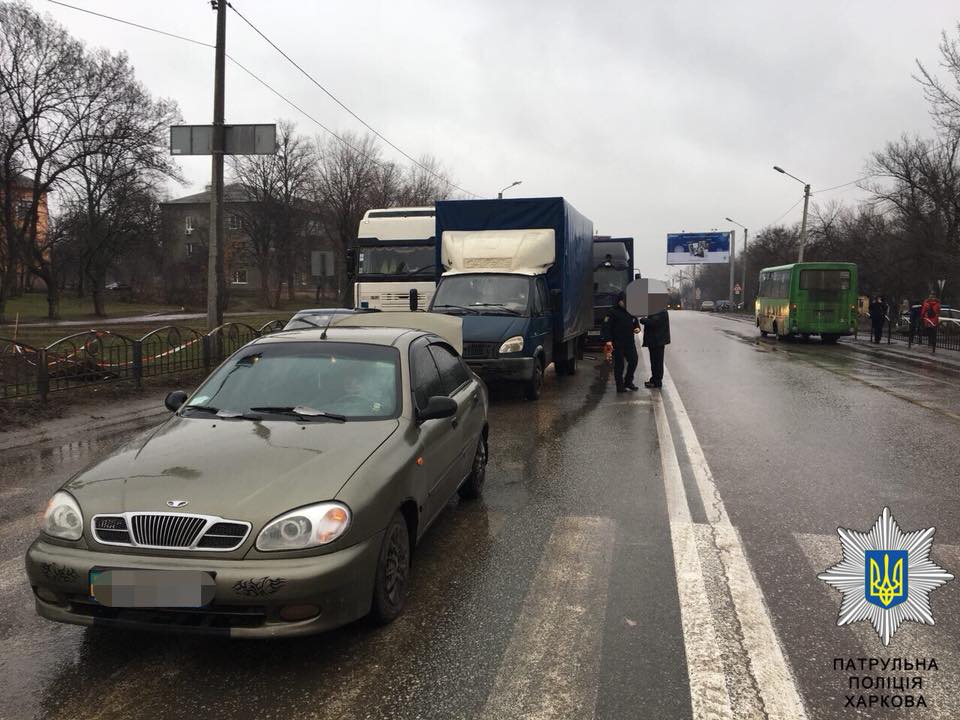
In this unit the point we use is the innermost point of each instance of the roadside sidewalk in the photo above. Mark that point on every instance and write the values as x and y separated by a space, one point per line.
87 418
920 354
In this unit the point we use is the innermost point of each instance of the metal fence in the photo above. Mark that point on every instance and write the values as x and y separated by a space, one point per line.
948 333
101 356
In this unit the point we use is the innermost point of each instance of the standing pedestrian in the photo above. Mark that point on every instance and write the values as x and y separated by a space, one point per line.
878 315
656 337
618 330
914 321
930 317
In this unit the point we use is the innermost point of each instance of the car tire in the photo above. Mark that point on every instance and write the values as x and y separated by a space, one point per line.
763 333
534 385
473 486
393 572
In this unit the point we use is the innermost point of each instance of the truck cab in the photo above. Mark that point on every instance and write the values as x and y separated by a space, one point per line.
395 254
518 272
612 272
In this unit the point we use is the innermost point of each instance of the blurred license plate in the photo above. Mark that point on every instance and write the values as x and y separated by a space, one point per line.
151 588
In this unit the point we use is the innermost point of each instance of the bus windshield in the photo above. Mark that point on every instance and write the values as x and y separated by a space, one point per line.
396 260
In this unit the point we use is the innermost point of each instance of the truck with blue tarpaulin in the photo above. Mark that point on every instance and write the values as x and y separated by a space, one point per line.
520 273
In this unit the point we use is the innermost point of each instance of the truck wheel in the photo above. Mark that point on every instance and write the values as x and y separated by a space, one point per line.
534 384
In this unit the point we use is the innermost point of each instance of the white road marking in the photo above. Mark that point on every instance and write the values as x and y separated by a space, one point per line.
768 662
709 697
552 663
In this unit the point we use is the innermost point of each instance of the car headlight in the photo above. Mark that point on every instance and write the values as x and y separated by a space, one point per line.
63 518
512 345
305 527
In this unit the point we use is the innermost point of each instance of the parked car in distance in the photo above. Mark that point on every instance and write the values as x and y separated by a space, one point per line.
283 497
949 318
321 317
707 305
117 287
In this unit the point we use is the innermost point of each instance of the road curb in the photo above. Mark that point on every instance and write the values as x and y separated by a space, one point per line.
939 364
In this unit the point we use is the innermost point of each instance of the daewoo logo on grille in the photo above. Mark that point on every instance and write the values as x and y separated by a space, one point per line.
177 503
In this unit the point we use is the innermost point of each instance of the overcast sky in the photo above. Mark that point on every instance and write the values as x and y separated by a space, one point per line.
650 117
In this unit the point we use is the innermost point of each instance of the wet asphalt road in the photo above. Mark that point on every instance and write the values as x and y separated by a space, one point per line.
557 594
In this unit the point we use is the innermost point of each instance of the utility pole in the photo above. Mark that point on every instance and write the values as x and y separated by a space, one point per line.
733 268
743 263
803 223
215 284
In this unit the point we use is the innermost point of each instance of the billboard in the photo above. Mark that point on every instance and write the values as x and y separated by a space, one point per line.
698 248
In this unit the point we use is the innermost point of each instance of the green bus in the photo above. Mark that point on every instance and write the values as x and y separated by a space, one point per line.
813 298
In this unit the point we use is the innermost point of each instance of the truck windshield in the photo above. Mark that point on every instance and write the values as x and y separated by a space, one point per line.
397 260
488 293
610 280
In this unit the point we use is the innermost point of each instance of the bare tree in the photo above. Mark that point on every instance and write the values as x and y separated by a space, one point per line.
944 99
346 172
278 209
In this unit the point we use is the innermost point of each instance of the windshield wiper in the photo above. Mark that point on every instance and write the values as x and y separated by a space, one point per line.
301 411
498 305
458 307
223 414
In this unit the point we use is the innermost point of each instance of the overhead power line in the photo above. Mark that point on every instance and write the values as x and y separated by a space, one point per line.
339 102
256 77
785 214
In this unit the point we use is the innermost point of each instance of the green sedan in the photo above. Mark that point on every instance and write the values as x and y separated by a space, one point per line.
284 497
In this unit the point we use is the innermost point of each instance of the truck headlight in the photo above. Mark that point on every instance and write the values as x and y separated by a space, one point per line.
512 345
63 518
305 527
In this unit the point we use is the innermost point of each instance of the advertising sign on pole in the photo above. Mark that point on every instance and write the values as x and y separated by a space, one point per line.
698 248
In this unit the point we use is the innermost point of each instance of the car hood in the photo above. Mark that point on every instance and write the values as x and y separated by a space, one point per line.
237 469
492 328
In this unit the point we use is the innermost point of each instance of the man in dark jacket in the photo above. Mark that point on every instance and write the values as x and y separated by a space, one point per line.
656 337
878 316
618 329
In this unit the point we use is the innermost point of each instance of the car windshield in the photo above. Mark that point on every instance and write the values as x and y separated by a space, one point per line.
397 260
486 293
354 380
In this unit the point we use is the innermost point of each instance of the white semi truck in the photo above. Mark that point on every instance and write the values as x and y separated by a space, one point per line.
395 253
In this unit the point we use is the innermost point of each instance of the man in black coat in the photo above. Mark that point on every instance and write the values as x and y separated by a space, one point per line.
618 329
656 337
878 315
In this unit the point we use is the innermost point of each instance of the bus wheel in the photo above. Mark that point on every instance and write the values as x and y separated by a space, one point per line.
829 338
805 337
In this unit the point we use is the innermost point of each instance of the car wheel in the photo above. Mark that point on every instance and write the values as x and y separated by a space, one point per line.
763 333
473 485
535 384
393 571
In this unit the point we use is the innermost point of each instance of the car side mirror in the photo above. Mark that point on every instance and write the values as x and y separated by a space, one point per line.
175 400
439 406
414 300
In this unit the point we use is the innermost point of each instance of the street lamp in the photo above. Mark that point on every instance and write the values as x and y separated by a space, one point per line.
743 252
515 182
806 201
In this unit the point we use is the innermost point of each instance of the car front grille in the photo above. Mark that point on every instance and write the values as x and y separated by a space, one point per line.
170 531
479 350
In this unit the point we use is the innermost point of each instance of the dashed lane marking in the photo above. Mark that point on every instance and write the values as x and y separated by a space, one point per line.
551 666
